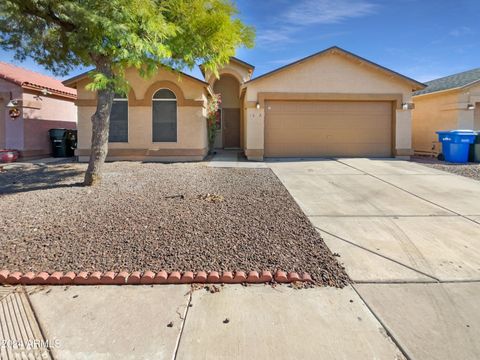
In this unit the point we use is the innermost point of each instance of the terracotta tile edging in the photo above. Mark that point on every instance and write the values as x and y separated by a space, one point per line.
149 277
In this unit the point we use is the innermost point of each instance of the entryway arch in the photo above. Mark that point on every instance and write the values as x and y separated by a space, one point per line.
228 135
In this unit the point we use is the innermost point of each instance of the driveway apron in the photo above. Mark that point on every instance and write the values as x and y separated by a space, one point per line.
408 236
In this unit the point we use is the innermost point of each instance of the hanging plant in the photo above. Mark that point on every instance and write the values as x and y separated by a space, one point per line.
213 113
14 113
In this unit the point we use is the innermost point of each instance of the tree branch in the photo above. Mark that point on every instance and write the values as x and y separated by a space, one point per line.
49 14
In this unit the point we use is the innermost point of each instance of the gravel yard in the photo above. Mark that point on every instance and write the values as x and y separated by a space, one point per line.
471 170
185 217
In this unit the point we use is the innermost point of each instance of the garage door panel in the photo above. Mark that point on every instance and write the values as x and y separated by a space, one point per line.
332 150
318 128
345 131
317 132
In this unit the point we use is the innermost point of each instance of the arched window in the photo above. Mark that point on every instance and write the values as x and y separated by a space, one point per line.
119 119
164 116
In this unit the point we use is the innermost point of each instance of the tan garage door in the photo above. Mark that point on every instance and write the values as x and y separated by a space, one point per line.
328 128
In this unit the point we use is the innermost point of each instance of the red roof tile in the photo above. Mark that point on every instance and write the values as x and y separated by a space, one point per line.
30 79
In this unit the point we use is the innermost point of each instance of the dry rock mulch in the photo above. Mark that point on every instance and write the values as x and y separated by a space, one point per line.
148 216
471 170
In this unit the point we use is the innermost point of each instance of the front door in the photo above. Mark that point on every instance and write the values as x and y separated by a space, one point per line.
231 128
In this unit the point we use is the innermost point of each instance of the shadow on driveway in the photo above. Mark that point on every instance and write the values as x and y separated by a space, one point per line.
39 177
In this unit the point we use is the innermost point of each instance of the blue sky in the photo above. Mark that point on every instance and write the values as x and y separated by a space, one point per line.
421 39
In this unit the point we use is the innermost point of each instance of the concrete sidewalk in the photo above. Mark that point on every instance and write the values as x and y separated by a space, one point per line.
237 322
233 159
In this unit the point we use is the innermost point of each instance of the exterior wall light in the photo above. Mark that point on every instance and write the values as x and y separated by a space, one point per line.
12 104
471 107
258 105
13 109
408 106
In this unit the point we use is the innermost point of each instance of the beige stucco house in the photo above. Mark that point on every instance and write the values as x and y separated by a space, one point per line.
330 104
44 103
448 103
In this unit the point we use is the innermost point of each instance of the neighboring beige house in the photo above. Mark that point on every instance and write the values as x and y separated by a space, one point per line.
330 104
448 103
44 103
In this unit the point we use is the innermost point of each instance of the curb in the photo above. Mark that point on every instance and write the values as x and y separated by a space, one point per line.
148 277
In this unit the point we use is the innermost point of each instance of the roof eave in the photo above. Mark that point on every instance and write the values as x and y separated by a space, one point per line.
10 80
72 82
55 92
443 91
39 88
234 59
473 83
452 89
243 63
210 91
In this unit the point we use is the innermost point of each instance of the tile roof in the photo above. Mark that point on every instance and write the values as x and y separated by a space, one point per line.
33 80
451 82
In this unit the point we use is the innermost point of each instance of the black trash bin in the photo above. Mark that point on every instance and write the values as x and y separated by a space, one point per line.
71 142
475 150
58 138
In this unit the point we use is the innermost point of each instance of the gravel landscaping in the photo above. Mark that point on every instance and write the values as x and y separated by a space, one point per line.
471 170
150 216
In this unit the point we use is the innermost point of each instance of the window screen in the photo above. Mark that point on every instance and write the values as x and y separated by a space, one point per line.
119 121
164 116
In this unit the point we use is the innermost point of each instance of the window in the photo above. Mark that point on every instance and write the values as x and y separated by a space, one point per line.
119 120
164 116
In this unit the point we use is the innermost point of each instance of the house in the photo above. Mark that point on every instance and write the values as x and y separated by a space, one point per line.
330 104
451 102
44 103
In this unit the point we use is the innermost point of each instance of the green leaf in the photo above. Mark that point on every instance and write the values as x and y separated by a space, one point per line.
115 35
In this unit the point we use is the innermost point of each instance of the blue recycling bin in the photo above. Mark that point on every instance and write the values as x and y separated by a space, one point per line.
456 144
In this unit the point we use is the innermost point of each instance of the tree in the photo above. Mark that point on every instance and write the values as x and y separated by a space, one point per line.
114 35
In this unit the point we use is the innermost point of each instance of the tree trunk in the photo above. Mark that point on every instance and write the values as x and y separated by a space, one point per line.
100 129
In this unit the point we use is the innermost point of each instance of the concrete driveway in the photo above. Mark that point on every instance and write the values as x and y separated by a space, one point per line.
409 236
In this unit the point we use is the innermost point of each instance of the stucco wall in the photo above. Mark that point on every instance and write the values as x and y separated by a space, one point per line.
468 96
329 73
29 132
476 117
403 131
191 119
254 129
446 110
229 87
12 129
191 88
432 113
241 73
191 129
467 119
54 112
2 123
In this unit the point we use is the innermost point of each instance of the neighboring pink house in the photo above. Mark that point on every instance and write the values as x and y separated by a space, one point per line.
44 102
